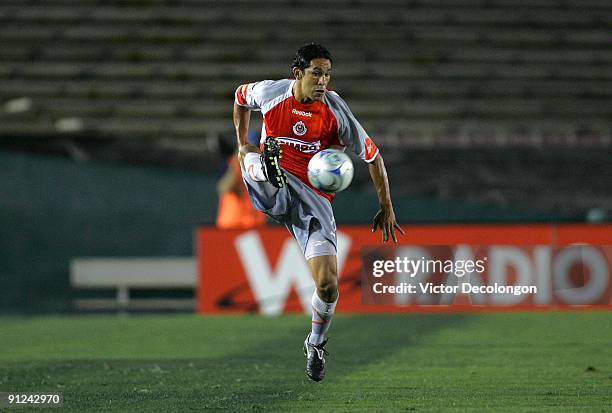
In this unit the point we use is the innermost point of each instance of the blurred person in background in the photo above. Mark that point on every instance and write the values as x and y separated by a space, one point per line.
301 116
234 210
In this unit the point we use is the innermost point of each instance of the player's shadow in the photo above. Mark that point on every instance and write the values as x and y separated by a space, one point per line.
360 340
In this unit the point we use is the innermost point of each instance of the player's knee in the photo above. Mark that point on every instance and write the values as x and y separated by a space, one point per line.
325 275
327 287
328 291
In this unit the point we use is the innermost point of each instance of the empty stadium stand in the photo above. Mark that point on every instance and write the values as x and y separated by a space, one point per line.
420 74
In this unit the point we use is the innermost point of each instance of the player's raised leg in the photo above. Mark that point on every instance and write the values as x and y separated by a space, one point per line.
251 163
325 274
265 165
263 185
260 166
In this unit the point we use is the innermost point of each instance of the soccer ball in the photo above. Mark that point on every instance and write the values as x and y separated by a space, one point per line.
330 170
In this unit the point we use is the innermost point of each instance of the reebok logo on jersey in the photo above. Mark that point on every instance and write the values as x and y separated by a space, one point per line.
302 146
301 113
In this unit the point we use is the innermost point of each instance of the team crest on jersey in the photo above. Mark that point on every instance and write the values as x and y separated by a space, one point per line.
299 128
302 146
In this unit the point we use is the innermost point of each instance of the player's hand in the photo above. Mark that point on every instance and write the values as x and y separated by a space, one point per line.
385 220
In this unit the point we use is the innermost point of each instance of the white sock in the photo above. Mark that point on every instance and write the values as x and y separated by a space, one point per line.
253 167
322 313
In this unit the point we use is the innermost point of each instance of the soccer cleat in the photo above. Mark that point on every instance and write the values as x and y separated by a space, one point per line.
315 359
270 159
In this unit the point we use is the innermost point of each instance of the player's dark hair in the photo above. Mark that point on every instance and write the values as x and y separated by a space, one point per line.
308 52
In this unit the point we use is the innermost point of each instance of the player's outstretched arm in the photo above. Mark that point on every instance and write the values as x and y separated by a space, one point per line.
242 118
385 217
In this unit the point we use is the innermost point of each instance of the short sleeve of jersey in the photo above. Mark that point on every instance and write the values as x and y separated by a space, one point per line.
249 95
261 95
350 131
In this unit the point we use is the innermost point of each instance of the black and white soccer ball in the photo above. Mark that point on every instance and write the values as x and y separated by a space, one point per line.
330 170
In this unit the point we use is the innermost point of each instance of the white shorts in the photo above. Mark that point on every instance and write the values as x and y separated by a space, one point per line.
308 216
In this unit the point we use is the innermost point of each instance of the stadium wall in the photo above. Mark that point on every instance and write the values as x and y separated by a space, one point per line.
513 267
54 209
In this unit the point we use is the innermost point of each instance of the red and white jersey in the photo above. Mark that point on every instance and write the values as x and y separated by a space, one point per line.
303 129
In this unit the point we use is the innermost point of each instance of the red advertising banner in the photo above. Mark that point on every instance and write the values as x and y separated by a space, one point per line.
432 268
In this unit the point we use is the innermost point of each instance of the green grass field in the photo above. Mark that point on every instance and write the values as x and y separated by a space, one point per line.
505 362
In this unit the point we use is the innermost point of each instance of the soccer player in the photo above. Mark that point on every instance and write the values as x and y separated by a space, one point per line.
301 117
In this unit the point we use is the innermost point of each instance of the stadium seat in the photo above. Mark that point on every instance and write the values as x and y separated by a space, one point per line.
417 74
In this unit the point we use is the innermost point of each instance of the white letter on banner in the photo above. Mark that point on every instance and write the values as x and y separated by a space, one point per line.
271 287
465 253
501 258
542 258
598 274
